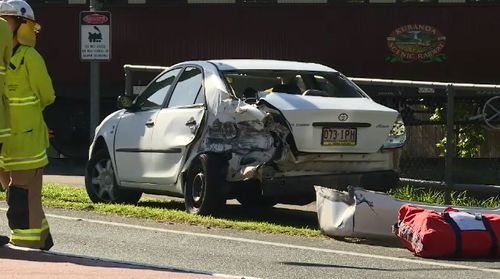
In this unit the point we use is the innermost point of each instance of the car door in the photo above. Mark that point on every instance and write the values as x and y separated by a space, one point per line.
134 132
177 125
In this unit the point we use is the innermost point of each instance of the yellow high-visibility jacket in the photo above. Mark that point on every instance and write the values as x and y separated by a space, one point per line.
28 91
5 52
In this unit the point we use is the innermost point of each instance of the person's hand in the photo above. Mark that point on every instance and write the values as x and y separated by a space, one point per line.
51 134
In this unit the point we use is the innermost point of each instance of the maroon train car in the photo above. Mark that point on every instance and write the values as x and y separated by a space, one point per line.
455 42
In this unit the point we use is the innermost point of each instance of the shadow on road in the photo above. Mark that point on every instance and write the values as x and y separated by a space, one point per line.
382 242
18 262
316 265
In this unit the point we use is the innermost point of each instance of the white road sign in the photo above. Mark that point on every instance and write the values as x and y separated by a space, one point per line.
95 36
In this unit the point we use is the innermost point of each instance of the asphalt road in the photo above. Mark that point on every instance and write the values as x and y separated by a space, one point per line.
239 253
243 253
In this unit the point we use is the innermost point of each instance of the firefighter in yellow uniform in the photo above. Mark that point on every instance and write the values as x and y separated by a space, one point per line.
5 52
28 91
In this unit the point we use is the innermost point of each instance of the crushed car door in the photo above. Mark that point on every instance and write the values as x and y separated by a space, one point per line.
177 125
133 134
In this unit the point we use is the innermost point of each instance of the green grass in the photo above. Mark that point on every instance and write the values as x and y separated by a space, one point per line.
437 197
60 196
168 211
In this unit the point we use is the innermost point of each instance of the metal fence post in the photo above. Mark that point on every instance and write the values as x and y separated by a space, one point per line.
95 94
129 89
450 142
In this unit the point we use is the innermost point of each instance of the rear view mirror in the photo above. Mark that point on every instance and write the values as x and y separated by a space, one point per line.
125 102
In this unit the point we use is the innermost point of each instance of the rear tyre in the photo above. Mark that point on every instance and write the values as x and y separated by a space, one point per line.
204 185
100 181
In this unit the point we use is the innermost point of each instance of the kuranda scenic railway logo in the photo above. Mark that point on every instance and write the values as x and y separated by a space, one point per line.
416 42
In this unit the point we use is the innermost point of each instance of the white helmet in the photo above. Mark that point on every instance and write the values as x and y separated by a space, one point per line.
17 8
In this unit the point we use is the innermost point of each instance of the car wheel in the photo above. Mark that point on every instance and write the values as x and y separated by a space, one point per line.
100 181
204 185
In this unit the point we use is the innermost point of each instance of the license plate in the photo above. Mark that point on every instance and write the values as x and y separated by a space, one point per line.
339 136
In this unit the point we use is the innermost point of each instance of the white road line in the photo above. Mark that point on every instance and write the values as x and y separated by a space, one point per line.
283 245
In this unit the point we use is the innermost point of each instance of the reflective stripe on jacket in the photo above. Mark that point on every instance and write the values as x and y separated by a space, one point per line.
5 52
28 91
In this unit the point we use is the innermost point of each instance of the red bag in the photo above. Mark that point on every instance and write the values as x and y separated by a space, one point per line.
452 233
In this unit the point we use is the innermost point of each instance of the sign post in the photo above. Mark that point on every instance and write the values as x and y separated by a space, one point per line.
95 46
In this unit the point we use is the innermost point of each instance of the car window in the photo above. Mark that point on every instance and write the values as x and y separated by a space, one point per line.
154 95
337 86
325 84
300 83
200 99
189 88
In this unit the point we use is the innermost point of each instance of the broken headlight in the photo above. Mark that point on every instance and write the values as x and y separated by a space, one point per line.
397 135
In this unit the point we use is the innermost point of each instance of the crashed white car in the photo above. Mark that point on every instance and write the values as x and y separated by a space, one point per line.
260 131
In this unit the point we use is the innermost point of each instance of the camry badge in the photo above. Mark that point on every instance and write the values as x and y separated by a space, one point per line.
343 117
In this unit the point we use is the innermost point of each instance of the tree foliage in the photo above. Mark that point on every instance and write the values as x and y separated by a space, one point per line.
468 137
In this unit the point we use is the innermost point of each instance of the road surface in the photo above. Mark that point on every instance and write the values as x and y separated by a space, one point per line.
242 253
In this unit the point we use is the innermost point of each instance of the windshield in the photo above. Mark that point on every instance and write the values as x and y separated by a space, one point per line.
248 83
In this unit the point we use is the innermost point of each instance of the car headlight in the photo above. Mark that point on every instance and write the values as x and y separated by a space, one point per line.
397 135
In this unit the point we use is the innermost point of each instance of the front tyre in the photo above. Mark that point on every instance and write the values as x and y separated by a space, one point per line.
100 181
204 185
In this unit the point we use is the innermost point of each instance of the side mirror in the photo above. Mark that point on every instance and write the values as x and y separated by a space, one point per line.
125 102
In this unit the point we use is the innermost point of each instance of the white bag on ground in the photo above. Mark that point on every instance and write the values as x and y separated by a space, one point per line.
366 214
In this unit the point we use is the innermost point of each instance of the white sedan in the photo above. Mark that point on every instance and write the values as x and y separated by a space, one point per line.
260 131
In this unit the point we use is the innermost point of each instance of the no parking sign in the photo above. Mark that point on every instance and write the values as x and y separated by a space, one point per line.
95 36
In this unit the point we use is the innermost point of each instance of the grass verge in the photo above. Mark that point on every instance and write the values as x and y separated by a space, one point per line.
437 197
66 197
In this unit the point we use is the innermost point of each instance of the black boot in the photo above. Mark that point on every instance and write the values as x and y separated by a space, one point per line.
4 240
48 243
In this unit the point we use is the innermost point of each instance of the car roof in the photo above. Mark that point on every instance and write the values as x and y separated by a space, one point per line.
261 64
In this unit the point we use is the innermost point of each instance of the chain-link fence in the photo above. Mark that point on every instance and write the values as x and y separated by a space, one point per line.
461 118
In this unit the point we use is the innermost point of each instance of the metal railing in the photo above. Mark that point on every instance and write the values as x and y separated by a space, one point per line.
450 89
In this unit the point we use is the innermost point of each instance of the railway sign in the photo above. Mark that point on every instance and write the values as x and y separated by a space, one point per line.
416 42
95 36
